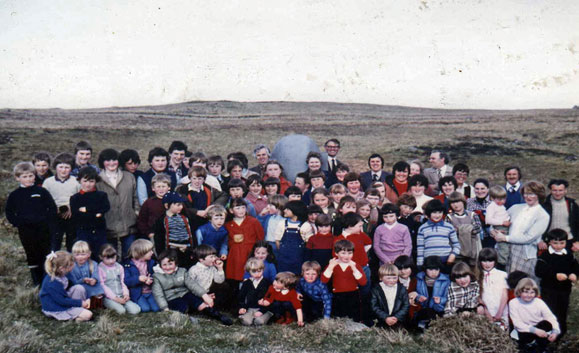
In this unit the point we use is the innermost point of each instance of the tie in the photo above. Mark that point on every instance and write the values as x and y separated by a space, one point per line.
439 173
333 165
374 177
512 189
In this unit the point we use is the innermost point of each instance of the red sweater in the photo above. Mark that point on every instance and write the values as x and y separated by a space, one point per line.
343 280
150 212
274 296
360 240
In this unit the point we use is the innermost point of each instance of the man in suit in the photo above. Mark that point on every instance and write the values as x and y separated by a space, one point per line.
513 186
261 152
376 163
332 147
439 168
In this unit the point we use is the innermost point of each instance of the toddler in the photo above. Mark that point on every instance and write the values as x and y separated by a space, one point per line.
139 275
112 279
498 218
263 251
58 302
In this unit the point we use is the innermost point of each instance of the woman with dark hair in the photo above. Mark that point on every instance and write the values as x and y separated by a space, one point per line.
121 189
529 221
447 185
397 183
478 204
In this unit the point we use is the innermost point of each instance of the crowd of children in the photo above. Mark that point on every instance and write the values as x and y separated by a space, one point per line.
335 244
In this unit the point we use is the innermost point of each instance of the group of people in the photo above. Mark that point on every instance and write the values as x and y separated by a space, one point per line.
203 234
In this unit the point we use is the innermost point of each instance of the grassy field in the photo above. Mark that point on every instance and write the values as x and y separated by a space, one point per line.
542 142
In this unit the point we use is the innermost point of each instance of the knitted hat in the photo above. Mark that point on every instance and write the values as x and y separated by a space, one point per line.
172 197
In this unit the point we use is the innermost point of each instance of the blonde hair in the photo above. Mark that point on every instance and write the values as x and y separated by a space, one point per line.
215 210
311 265
23 168
526 283
161 178
388 270
287 279
80 247
56 261
254 264
140 248
497 192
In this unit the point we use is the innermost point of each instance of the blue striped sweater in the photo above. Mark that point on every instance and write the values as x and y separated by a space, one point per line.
436 239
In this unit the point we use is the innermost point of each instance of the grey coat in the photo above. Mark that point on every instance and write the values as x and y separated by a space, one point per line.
168 287
122 217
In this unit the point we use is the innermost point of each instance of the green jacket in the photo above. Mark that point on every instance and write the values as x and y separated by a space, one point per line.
168 287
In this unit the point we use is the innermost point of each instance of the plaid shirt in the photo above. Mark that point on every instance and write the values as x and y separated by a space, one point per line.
461 298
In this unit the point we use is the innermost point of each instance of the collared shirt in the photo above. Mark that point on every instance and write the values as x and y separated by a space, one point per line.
552 251
376 175
512 188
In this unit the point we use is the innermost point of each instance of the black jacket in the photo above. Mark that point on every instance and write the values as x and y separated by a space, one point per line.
379 304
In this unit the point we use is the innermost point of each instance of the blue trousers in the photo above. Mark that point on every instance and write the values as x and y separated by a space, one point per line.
147 303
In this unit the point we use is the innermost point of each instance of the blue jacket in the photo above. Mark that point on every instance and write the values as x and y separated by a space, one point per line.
440 289
53 296
132 278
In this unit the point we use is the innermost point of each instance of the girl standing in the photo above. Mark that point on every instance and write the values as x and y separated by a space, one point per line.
494 288
289 240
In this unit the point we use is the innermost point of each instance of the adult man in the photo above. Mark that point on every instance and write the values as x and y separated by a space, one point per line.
376 163
439 168
563 210
513 186
177 151
261 152
332 147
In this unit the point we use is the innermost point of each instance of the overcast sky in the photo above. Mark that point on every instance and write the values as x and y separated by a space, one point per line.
494 54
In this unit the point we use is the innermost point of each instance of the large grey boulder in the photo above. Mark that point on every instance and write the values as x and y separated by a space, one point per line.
291 151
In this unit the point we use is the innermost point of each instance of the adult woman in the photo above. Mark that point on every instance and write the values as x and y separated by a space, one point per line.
447 185
460 172
417 185
121 189
273 169
478 204
397 183
416 167
528 223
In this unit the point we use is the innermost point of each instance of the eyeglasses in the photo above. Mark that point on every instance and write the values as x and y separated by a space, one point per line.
333 147
256 270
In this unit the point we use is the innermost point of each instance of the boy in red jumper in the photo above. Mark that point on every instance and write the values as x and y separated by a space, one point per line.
282 299
153 208
347 277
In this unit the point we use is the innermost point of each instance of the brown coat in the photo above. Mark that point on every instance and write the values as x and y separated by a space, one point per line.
122 217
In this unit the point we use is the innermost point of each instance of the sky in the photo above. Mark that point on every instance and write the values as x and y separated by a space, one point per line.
486 54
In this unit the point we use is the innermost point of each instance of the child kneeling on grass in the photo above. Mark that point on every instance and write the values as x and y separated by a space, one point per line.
56 300
282 300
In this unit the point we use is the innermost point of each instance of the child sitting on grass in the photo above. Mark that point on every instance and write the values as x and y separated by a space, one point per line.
432 291
207 275
139 275
85 273
112 279
281 300
317 300
389 300
463 293
57 300
263 251
347 277
252 290
535 325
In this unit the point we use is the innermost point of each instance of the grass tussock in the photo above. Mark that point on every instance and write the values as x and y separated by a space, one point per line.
176 320
26 299
105 328
21 337
473 334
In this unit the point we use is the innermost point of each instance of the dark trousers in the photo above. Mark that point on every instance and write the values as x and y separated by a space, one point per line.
280 308
223 295
62 227
558 302
35 239
312 310
95 238
186 304
526 338
347 304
